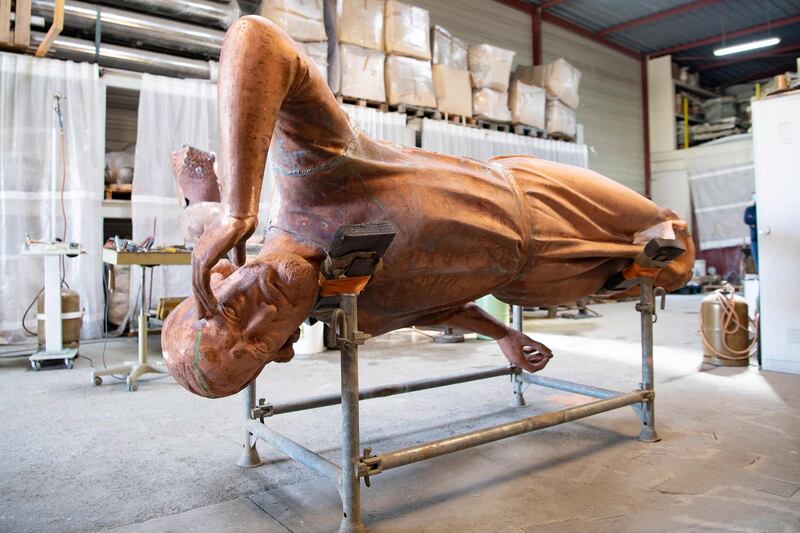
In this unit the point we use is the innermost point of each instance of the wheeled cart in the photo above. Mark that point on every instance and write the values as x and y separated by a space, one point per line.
357 463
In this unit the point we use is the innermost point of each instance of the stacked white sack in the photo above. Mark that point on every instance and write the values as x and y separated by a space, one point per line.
527 104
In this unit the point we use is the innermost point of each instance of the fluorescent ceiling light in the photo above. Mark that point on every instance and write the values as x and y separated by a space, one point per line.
744 47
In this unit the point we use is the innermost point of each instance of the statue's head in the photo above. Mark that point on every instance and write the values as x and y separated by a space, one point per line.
261 307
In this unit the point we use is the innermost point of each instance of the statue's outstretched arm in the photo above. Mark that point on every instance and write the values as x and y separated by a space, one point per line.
518 348
256 71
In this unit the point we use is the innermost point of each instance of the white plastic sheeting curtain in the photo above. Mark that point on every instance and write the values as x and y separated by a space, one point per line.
379 125
722 185
172 112
453 139
27 86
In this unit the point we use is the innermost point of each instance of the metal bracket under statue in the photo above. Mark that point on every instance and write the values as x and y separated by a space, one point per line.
355 464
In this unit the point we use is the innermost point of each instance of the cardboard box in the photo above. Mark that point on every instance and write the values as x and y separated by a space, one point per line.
527 103
490 67
409 81
406 30
361 73
448 50
318 54
360 22
491 104
301 19
453 90
560 118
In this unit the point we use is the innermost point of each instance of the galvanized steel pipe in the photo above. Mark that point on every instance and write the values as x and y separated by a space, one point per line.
196 11
391 390
125 58
483 436
136 28
299 453
568 386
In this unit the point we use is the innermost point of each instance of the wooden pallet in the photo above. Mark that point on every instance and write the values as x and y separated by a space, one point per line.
562 137
119 191
529 131
362 102
413 111
461 120
493 125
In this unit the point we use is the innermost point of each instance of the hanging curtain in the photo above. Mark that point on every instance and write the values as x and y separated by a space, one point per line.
453 139
27 118
722 184
172 112
379 125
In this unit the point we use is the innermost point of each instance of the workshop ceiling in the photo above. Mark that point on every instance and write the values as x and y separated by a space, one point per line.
691 29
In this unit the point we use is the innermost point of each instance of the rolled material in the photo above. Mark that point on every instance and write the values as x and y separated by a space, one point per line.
196 11
125 58
135 28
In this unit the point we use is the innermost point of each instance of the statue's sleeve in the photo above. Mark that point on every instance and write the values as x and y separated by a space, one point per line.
265 81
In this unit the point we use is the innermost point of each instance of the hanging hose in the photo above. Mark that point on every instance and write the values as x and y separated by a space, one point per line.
731 324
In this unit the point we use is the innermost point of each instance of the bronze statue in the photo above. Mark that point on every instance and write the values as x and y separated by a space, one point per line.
529 231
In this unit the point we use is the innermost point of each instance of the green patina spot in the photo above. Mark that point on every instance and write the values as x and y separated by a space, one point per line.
197 372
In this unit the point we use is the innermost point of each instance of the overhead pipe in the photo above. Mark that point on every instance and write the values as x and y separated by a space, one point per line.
133 59
137 29
197 11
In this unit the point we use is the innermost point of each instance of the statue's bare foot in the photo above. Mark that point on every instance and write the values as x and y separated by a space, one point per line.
524 352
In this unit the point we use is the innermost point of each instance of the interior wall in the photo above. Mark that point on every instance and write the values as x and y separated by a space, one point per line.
482 21
611 103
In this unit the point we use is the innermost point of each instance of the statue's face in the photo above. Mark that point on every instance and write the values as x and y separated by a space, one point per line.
262 306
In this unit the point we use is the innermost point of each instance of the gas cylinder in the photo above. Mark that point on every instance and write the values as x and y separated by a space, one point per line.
724 328
71 319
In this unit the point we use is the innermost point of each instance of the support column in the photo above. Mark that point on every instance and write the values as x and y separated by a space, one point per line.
646 308
249 457
351 488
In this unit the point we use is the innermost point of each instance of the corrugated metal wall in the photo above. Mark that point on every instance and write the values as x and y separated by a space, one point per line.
611 103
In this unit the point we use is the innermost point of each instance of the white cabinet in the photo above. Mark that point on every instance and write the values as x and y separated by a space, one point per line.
776 144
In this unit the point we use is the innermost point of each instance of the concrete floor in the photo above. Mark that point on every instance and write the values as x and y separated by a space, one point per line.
74 457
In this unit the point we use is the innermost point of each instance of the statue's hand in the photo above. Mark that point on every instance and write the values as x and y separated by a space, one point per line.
224 234
524 352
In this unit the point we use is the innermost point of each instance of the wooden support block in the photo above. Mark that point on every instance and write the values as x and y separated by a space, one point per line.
22 23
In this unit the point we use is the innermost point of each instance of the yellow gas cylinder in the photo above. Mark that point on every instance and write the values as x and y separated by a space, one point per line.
724 328
71 319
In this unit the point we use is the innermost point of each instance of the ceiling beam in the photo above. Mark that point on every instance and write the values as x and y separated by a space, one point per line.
549 4
726 36
658 15
747 57
518 4
583 32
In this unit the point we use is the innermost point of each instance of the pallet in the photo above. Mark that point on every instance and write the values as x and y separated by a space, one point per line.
413 111
493 125
119 191
529 131
363 102
461 120
562 137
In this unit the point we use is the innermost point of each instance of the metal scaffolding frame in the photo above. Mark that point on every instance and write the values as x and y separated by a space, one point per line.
355 464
